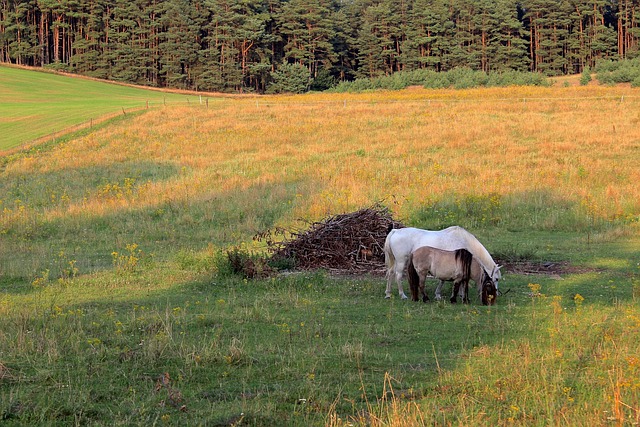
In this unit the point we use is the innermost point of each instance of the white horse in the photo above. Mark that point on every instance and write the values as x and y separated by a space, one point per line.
401 242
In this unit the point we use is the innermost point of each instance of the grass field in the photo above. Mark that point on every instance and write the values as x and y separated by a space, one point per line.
38 104
116 309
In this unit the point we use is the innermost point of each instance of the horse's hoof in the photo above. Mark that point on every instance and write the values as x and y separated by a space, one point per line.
387 297
404 297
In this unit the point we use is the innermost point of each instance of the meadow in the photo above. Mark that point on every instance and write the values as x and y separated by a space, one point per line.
117 307
37 104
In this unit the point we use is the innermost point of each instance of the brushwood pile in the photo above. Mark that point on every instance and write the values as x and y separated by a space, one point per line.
345 243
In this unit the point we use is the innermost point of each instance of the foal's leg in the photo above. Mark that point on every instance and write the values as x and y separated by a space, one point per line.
425 297
465 289
454 292
460 288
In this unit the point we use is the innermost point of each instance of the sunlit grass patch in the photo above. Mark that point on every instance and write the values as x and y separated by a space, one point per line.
35 103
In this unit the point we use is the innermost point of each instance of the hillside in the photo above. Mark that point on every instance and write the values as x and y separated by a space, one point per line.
36 104
120 305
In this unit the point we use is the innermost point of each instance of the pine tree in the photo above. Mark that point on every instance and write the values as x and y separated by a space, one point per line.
378 39
507 48
178 44
307 29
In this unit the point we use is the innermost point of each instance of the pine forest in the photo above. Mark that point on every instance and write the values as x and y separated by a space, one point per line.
251 45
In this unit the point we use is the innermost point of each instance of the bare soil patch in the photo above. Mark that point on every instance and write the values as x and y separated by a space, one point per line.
530 268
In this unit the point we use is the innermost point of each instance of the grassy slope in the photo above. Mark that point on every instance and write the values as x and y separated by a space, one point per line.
111 311
34 104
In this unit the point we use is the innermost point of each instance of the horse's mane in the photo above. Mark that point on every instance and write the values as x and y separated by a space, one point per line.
474 246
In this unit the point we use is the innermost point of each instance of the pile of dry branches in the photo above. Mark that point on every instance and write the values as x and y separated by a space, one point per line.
351 242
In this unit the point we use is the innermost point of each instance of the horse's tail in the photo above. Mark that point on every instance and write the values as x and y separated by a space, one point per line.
389 227
413 278
389 258
464 257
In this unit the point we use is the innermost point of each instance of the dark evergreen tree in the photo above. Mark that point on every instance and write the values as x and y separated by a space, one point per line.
238 45
379 39
178 44
507 44
428 35
307 30
87 57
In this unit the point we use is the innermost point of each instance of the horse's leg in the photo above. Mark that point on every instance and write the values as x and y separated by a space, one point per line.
439 290
400 290
397 275
390 275
400 268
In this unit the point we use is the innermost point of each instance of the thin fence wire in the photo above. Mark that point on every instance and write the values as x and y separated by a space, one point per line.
345 102
204 101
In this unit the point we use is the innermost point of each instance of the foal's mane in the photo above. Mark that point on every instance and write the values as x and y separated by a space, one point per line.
465 257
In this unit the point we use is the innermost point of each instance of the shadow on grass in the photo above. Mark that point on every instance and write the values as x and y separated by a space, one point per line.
85 243
289 349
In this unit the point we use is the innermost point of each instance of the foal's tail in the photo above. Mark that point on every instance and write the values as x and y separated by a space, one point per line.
414 279
464 257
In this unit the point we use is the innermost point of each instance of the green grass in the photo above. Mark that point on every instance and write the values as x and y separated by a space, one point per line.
117 308
35 104
158 343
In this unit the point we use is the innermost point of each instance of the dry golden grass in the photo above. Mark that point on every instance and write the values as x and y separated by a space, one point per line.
347 150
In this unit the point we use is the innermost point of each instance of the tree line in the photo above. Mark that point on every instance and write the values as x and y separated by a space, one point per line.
260 45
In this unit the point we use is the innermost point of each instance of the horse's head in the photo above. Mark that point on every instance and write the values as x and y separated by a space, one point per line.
489 290
496 275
